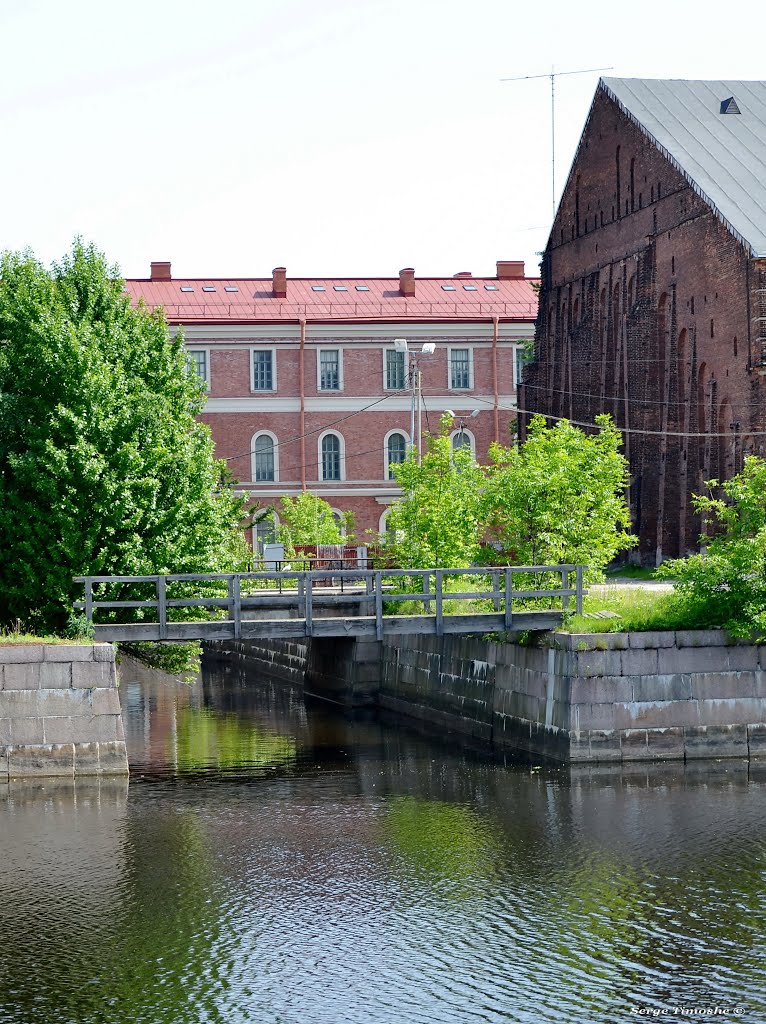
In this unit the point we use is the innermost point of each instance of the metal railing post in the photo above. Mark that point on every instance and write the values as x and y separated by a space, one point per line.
427 590
89 599
496 589
508 598
162 608
564 586
578 587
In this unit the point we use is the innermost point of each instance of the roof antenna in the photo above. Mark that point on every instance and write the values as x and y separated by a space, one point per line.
553 75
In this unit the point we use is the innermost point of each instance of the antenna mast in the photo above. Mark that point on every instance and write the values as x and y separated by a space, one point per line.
553 75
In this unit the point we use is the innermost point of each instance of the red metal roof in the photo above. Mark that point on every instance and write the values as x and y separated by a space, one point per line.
253 300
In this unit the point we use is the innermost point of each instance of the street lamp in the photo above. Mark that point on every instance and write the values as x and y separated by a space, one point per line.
416 388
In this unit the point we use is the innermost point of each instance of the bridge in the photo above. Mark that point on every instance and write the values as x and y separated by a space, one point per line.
331 602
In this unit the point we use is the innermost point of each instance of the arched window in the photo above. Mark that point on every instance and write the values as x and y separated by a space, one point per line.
396 451
463 438
265 532
331 457
265 460
340 521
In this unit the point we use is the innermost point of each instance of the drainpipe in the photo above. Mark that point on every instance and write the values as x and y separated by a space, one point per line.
495 333
302 389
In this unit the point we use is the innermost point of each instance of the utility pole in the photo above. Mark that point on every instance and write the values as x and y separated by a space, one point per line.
553 76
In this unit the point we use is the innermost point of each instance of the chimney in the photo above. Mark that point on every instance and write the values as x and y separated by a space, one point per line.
463 273
279 282
160 272
510 268
407 282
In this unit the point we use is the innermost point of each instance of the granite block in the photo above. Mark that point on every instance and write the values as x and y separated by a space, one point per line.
605 745
701 638
756 740
666 743
634 745
715 741
677 686
41 760
639 662
69 652
20 654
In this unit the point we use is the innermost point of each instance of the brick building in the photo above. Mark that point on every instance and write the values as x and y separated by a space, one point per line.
306 388
653 294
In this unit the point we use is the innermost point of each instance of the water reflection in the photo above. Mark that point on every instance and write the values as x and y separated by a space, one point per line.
278 863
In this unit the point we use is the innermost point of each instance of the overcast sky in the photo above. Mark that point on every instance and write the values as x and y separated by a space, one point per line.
332 137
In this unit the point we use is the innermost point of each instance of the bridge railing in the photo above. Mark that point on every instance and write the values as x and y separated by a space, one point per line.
307 592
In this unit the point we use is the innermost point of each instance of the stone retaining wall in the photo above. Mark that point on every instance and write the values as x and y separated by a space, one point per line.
605 697
592 698
60 711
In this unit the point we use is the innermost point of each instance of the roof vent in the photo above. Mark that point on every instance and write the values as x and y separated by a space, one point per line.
730 106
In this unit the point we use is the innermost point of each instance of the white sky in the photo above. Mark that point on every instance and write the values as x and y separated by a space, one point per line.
332 137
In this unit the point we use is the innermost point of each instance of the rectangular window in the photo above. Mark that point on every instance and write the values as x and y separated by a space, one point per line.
263 370
460 368
198 363
523 358
395 370
329 369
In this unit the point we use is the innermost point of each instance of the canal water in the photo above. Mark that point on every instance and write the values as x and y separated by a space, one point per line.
275 863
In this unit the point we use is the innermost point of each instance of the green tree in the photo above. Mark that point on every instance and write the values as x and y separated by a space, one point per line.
103 467
560 497
726 586
438 520
308 519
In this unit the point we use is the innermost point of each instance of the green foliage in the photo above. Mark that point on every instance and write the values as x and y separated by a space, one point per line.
726 586
559 497
308 519
103 466
437 522
177 659
634 610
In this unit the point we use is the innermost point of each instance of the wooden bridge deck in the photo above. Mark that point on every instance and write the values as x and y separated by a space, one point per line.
295 603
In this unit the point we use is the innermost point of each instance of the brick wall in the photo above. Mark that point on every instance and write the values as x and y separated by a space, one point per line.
645 314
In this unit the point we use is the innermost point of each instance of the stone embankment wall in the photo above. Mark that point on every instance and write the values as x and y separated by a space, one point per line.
60 711
591 698
647 696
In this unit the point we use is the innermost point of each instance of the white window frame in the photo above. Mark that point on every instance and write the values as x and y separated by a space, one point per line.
338 515
330 348
320 460
407 445
275 442
518 346
263 348
191 349
466 433
405 388
460 348
254 530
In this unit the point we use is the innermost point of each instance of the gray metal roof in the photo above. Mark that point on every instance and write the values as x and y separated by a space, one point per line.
722 155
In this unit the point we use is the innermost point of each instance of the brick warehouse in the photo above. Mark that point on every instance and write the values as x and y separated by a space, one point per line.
653 293
306 389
